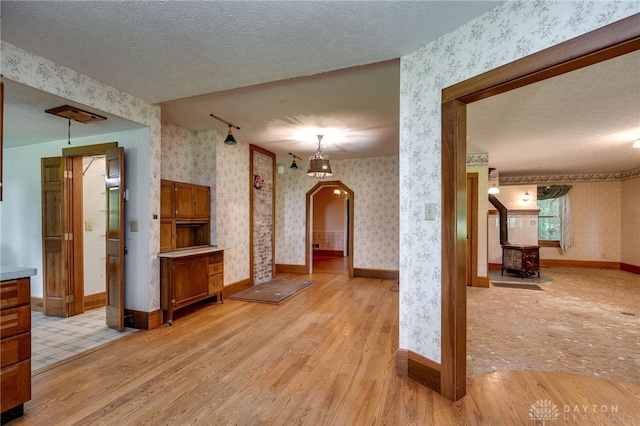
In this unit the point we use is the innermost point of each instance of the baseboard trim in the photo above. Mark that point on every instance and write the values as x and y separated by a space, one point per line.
282 268
587 264
494 266
319 252
630 268
234 288
142 320
383 274
37 304
482 282
418 368
93 301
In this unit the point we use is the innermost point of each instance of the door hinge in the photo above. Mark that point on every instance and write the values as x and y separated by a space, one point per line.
69 298
68 174
68 237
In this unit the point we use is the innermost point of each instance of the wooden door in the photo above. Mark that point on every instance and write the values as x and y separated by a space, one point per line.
167 208
55 236
115 237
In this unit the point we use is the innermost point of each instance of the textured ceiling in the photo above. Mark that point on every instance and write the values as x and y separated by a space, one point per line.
285 71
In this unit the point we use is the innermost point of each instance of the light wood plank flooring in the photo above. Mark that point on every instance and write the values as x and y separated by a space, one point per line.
324 357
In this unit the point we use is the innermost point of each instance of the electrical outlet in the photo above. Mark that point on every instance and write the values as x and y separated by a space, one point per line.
430 211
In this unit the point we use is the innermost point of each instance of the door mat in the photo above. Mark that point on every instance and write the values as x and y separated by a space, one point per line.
274 291
521 286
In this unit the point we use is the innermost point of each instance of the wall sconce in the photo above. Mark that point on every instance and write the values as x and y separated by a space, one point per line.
526 197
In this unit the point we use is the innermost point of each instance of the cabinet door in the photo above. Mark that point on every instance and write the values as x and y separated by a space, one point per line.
167 206
190 279
184 200
167 235
202 195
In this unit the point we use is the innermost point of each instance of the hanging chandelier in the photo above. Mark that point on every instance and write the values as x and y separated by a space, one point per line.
319 166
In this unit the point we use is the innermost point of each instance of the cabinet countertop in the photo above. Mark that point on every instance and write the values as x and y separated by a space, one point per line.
16 272
190 252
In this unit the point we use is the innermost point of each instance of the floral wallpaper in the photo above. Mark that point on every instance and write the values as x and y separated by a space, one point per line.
374 182
509 32
37 72
232 166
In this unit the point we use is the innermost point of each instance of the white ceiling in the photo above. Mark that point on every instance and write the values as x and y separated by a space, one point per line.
285 71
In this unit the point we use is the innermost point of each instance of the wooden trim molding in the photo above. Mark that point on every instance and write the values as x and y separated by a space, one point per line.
234 288
290 269
483 282
93 301
630 268
37 304
587 264
418 368
143 320
607 42
383 274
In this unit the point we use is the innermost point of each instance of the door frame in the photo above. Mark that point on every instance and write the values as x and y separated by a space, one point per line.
608 42
309 229
472 217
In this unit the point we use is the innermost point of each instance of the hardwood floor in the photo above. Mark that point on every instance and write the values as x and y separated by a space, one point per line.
324 357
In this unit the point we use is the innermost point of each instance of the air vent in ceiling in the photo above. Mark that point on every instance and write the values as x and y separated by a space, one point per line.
76 114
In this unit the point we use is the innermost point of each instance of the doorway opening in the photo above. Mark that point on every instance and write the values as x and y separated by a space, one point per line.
329 236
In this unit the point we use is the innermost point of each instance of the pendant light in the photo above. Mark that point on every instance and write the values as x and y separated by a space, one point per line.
319 166
230 140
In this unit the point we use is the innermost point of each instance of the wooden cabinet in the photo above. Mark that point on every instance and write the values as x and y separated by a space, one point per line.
185 211
189 276
15 346
523 260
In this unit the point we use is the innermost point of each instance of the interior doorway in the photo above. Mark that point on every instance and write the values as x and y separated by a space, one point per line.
83 232
329 236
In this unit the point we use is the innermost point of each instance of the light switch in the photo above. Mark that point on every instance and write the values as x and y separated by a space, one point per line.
430 211
134 226
88 226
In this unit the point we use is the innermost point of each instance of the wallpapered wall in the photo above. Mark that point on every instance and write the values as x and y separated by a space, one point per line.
375 184
509 32
630 216
35 71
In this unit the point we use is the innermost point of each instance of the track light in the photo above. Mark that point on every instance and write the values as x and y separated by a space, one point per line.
293 165
230 140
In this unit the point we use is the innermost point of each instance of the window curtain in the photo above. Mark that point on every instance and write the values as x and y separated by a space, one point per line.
561 193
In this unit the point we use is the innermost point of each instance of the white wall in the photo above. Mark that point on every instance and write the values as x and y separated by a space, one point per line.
511 31
20 210
630 220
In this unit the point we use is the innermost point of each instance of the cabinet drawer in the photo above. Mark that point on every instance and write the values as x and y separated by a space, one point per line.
216 257
15 293
216 268
216 283
15 321
15 349
15 385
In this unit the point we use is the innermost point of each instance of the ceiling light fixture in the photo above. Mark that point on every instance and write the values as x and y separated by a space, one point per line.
526 197
293 165
493 189
636 144
494 180
230 140
319 166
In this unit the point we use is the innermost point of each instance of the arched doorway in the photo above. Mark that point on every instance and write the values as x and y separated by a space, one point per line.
349 196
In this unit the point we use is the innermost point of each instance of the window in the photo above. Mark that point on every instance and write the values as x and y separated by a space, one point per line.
549 220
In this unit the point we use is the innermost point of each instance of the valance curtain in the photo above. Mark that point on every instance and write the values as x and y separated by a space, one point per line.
560 192
553 191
